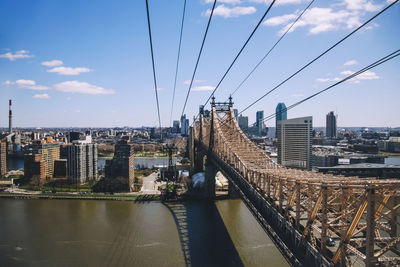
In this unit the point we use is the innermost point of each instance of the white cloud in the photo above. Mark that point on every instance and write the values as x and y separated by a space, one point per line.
232 12
52 63
233 2
279 20
195 81
372 26
41 96
346 14
69 71
361 5
27 84
17 55
347 72
367 75
68 98
203 88
82 88
323 80
350 63
316 19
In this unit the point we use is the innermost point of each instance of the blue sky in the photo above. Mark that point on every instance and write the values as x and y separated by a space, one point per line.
87 63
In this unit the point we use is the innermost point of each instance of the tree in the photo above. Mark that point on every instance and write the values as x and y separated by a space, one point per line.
36 179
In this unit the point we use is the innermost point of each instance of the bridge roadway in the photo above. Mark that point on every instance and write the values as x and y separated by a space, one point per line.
300 209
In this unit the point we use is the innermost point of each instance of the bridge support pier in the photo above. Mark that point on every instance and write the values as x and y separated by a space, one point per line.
209 181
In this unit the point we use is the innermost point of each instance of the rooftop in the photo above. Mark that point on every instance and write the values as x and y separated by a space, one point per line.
362 166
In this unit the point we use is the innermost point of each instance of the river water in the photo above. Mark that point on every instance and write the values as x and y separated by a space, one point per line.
118 233
15 164
140 162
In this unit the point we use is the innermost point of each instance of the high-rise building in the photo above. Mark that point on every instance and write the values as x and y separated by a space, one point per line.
236 112
243 123
295 142
34 168
82 162
35 136
184 125
331 125
260 122
3 158
60 168
175 127
280 114
40 160
9 117
122 164
73 136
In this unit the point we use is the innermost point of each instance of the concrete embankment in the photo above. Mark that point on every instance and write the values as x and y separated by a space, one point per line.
82 197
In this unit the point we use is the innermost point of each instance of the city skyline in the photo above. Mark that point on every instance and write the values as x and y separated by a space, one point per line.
73 64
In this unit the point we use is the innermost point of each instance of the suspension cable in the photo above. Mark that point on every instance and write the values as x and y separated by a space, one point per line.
240 51
319 56
353 75
272 48
177 61
154 69
198 57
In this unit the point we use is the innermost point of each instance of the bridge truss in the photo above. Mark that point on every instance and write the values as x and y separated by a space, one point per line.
360 214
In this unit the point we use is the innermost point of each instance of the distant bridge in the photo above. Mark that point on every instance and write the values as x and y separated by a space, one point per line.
300 209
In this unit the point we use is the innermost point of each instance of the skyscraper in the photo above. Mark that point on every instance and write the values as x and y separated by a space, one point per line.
331 125
294 142
175 127
9 117
184 125
82 162
243 123
236 112
3 158
260 121
280 114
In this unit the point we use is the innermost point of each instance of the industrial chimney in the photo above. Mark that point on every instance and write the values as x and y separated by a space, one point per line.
10 118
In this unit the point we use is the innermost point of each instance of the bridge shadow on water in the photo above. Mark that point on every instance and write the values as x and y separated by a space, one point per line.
205 241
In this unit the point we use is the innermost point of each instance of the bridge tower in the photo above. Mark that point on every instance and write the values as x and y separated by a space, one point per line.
201 146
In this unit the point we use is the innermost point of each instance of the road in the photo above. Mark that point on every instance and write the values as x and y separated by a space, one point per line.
149 184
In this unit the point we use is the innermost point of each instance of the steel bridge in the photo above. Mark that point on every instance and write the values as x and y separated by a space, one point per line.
300 209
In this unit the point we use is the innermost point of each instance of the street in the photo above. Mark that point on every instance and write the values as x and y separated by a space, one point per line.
149 184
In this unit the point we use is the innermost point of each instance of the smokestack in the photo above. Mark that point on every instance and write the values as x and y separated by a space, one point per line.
10 118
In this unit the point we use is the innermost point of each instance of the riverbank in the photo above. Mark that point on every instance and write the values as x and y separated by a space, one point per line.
36 195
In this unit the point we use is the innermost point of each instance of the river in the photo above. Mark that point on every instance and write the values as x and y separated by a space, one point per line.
140 162
119 233
15 164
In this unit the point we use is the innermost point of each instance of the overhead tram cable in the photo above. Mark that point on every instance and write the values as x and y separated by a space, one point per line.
240 51
351 76
177 60
237 56
371 66
198 57
319 56
154 69
272 48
